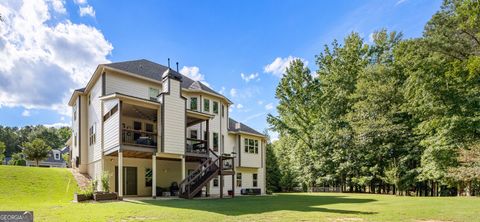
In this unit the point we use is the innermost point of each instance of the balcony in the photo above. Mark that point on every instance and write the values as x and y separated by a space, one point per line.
196 147
139 138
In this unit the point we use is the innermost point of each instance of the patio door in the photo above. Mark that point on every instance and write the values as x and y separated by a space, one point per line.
129 180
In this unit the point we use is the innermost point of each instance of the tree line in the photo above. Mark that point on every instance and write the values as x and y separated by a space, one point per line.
398 116
32 142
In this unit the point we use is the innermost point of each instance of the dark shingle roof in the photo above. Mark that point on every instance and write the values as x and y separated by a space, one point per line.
243 127
155 71
81 90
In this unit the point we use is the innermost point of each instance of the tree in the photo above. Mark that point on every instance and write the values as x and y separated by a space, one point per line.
298 96
273 171
36 150
2 152
17 160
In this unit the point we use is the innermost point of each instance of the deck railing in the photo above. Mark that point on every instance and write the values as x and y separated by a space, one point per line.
196 147
139 138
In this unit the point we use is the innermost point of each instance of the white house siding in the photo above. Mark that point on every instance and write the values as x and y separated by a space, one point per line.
124 84
75 132
251 159
174 120
111 126
95 117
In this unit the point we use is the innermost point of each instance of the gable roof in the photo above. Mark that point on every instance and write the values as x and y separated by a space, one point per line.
152 70
243 128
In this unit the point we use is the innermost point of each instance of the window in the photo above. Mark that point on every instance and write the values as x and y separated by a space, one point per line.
75 112
251 146
255 181
193 103
148 177
57 156
239 179
215 182
137 125
193 134
223 143
91 133
75 140
206 105
89 99
205 135
223 110
149 127
215 142
153 93
215 107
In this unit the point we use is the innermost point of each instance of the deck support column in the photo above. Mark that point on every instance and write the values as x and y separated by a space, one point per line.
120 175
183 167
154 175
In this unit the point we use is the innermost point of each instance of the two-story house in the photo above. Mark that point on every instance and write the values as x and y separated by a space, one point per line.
149 127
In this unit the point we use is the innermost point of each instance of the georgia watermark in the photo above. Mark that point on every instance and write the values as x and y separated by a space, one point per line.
16 216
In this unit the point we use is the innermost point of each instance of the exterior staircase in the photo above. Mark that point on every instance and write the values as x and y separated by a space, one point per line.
210 168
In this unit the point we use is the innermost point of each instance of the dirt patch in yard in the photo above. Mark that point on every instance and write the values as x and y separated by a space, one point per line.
83 180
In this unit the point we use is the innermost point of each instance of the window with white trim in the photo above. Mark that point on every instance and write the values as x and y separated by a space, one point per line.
255 180
251 146
239 179
92 134
194 103
206 105
153 93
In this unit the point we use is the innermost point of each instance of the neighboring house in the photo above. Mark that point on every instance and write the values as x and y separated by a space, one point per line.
160 127
54 159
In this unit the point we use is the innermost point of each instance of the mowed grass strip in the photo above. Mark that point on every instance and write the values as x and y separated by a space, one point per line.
48 192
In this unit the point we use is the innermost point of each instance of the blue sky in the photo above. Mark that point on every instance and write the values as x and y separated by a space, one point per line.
61 43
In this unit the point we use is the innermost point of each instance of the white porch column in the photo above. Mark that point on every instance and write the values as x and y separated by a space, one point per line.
183 167
154 175
120 175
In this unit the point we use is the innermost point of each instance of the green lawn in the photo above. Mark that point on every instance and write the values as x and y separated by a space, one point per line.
48 192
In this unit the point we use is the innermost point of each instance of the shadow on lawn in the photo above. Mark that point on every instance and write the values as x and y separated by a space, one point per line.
255 205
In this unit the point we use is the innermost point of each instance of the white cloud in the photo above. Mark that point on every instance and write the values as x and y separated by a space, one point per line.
193 73
43 58
269 106
247 78
239 106
57 125
86 10
222 90
26 113
400 2
279 65
80 2
253 116
58 6
233 92
260 102
370 38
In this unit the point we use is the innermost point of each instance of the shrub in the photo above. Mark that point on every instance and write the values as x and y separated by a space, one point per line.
105 179
87 191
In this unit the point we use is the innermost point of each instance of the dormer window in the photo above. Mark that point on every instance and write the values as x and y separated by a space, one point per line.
206 105
153 93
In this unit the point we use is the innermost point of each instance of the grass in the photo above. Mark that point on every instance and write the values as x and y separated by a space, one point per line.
48 192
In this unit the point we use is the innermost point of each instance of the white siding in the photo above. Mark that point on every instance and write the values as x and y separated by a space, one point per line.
251 159
111 126
75 132
120 83
95 117
174 120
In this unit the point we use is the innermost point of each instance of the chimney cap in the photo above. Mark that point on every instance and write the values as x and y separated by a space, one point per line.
169 73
